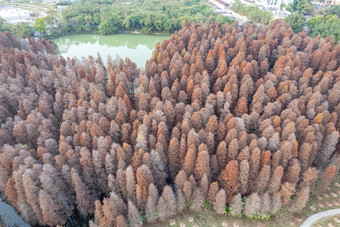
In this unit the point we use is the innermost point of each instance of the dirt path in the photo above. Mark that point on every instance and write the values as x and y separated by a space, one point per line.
318 216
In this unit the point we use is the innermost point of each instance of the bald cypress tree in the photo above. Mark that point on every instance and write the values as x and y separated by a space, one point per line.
51 213
252 205
236 206
187 191
84 197
275 180
202 165
144 178
213 190
174 162
170 206
220 202
130 184
190 158
214 103
150 209
233 150
327 177
262 180
121 221
222 154
134 217
32 190
302 197
286 191
197 200
157 168
229 179
244 176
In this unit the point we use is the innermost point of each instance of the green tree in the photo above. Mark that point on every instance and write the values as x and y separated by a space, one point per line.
110 16
131 22
254 13
3 25
296 21
81 24
108 26
171 25
96 18
39 25
89 21
289 8
303 6
24 30
333 10
325 26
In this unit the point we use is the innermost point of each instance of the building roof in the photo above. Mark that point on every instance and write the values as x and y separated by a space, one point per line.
221 2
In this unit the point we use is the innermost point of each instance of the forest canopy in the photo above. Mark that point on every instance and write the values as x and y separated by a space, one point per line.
21 29
239 116
325 26
147 16
252 12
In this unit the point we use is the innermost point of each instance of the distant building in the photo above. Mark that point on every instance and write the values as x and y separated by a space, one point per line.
329 3
49 1
70 1
268 4
220 4
15 15
287 2
61 8
326 3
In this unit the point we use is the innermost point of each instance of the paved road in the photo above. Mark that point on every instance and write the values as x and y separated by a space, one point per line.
318 216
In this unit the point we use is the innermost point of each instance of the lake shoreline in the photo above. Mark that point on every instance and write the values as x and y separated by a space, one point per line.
136 32
136 46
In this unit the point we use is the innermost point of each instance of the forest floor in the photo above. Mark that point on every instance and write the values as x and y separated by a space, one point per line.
317 203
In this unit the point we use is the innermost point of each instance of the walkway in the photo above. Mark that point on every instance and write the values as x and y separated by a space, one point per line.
318 216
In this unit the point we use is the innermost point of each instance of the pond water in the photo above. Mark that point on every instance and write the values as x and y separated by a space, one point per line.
135 46
9 216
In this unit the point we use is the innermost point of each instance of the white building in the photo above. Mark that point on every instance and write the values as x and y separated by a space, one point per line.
268 4
329 3
16 15
49 1
220 4
287 2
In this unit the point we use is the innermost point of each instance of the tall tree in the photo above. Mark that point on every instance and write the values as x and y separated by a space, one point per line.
220 202
134 217
229 179
84 198
51 213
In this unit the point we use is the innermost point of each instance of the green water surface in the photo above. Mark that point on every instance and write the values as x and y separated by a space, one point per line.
134 46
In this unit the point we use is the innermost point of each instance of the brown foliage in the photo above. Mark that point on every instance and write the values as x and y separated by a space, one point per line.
241 107
229 179
220 202
144 178
326 178
213 104
190 159
202 165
